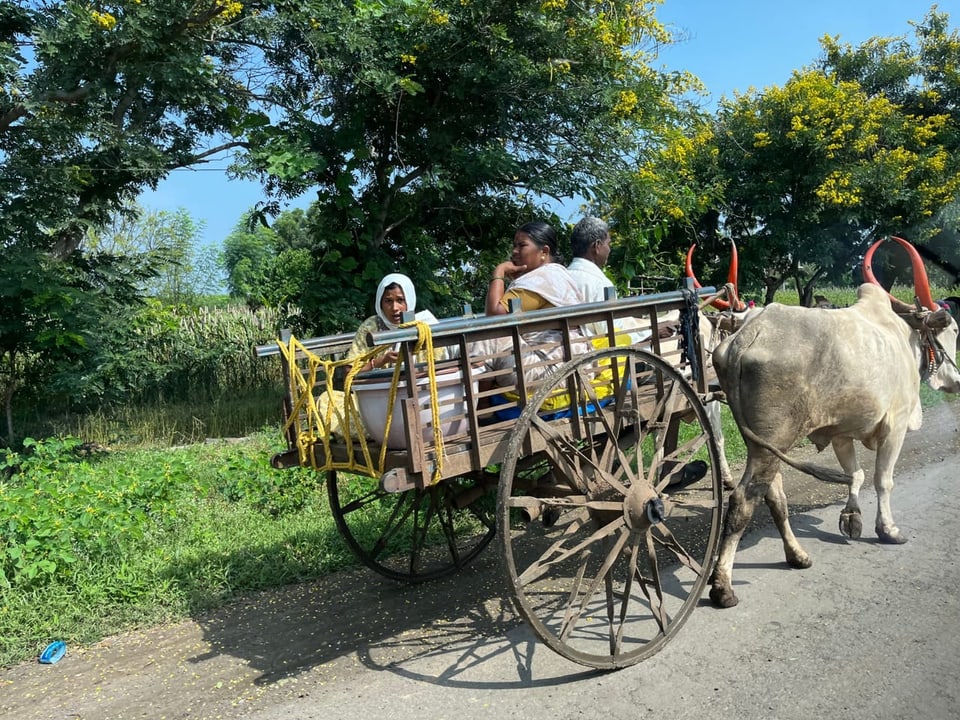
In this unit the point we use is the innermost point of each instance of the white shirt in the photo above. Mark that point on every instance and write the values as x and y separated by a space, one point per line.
592 283
590 279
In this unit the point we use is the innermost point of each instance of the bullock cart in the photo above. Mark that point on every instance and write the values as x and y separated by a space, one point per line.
594 467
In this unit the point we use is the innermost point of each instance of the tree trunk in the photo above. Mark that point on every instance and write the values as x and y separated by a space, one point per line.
771 284
8 390
805 290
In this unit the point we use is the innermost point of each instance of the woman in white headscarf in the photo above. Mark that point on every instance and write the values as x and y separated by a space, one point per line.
395 296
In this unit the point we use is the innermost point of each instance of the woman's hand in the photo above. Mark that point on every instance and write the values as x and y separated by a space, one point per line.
386 358
504 272
509 270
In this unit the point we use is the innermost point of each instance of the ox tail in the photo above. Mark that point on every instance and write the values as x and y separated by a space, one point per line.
820 472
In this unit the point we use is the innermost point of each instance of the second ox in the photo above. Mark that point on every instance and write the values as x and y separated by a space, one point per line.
834 376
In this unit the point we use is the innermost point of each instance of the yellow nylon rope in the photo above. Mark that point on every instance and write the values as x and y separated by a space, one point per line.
312 426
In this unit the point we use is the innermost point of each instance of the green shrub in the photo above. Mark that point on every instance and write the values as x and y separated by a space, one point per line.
56 510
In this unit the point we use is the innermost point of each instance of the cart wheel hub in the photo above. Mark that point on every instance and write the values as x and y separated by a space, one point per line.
643 508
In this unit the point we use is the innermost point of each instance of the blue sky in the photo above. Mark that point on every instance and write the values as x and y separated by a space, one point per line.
729 44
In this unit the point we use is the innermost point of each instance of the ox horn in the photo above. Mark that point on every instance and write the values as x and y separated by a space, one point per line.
921 284
731 279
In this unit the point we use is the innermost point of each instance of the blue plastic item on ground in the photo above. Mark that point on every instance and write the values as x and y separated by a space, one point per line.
53 652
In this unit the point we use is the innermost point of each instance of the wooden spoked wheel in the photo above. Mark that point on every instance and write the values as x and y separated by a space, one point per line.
609 518
415 535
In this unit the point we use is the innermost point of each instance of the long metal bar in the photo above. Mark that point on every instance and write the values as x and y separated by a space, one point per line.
469 321
617 307
312 344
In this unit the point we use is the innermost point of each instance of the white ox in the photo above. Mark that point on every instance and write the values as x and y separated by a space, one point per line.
834 376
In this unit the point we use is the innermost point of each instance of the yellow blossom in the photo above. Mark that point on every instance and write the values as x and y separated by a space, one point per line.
408 59
104 20
836 190
626 102
231 8
436 17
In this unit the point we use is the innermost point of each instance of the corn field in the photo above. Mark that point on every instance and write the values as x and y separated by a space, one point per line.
175 375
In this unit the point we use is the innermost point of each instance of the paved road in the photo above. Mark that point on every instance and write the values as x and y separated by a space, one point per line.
870 631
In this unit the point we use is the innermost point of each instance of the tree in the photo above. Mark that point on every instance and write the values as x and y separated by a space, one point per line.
431 128
53 313
269 266
184 273
96 103
924 80
804 176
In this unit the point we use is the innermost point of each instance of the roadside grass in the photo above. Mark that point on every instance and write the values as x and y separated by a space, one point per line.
160 424
225 523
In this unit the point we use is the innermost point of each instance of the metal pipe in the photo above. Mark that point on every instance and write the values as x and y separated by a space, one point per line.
452 326
469 321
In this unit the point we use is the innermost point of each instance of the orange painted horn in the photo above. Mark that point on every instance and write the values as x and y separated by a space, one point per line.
731 275
696 283
921 284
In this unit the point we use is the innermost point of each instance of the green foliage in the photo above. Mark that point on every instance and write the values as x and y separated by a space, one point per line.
95 106
804 176
52 310
56 509
105 104
269 266
431 130
243 478
161 424
198 535
165 353
183 272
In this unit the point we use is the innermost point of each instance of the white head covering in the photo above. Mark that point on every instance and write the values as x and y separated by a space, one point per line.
409 294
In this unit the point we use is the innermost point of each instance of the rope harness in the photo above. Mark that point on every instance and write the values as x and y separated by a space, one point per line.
311 425
932 354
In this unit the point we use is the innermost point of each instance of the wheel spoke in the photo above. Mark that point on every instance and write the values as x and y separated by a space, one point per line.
557 553
670 542
656 602
414 535
568 455
404 508
574 613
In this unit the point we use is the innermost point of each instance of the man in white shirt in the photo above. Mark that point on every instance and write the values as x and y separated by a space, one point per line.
590 246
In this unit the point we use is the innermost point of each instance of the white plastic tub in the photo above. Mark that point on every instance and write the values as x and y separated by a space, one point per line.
372 391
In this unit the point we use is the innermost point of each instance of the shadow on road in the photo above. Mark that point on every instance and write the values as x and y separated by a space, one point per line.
434 631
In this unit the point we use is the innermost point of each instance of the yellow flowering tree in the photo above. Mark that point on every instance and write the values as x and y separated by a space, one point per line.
804 175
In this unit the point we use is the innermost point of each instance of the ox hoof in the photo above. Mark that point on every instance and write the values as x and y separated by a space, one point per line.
851 524
891 537
723 597
800 562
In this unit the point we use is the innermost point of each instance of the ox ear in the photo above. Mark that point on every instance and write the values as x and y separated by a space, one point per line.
937 320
